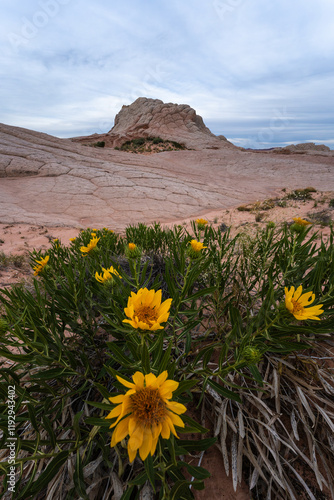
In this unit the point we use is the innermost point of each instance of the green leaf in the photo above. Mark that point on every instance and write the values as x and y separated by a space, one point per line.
196 471
149 468
128 493
145 359
102 406
192 426
140 479
51 470
256 374
79 479
119 354
181 491
224 392
185 386
193 445
49 429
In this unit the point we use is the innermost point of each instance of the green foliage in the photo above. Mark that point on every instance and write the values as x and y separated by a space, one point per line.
148 144
63 342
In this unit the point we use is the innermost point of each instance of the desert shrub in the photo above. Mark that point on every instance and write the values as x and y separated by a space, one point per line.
227 342
301 194
157 140
177 145
99 144
139 141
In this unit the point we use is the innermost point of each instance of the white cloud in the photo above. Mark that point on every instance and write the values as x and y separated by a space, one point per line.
236 62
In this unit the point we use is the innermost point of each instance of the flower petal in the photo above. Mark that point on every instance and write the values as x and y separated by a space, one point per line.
146 446
176 407
120 432
125 382
298 293
138 379
136 438
175 419
162 377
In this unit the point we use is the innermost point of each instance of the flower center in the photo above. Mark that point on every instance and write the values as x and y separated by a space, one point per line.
297 307
146 314
147 406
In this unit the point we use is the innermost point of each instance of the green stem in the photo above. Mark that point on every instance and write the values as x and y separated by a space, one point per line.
179 303
163 468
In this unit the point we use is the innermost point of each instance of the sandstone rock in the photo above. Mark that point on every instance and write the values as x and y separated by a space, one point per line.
305 147
49 181
154 118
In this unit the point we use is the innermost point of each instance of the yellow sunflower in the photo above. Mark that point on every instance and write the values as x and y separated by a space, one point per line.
296 304
91 246
146 311
41 265
144 413
107 275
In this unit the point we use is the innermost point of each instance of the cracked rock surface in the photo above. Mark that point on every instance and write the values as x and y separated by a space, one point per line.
45 180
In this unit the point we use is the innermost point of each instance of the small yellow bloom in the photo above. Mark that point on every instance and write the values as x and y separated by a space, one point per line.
93 235
107 275
197 246
41 265
146 311
144 413
132 251
300 221
201 223
296 304
72 239
91 246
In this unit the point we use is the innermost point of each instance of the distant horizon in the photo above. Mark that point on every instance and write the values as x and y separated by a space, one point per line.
258 136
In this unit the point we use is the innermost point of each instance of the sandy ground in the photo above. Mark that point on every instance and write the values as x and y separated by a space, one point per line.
20 239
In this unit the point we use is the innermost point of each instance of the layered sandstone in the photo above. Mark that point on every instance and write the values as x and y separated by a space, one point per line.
154 118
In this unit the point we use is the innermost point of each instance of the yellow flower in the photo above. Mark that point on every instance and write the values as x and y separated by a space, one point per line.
296 304
144 413
41 264
93 235
72 239
132 251
146 311
197 246
201 223
300 221
107 275
91 246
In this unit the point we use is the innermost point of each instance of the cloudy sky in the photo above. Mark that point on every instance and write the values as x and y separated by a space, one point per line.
260 72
